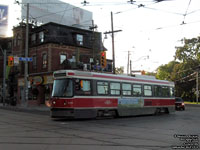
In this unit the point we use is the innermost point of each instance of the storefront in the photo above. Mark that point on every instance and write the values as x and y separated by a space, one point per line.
40 88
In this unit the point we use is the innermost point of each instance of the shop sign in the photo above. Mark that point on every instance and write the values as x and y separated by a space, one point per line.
48 79
37 80
21 82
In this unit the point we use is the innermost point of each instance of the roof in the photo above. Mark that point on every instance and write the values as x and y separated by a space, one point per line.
110 77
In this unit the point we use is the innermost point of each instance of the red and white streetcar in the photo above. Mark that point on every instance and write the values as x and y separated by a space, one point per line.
81 94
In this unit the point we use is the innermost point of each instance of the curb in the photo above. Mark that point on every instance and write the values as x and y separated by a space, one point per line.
193 105
35 110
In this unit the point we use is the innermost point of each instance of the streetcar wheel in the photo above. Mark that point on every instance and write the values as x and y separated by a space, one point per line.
157 112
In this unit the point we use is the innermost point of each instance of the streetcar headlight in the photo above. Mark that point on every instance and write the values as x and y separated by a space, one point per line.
54 102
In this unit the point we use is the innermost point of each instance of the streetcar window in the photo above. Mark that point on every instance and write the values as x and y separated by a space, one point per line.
161 91
147 90
157 90
102 87
115 88
126 89
62 88
165 91
137 90
171 91
82 87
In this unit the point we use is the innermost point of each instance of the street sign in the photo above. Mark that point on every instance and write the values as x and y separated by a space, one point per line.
25 59
16 60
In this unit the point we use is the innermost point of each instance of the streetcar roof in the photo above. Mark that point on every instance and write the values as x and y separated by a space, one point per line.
109 77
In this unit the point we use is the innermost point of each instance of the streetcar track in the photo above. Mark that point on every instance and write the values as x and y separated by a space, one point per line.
54 130
56 126
103 145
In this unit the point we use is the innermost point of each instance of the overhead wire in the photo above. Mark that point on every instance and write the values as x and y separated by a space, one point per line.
185 14
114 3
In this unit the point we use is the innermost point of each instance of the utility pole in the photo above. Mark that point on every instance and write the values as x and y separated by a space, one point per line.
93 38
197 86
113 45
128 62
4 75
113 41
130 67
26 55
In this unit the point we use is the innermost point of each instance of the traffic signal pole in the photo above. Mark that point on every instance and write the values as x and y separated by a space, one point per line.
4 75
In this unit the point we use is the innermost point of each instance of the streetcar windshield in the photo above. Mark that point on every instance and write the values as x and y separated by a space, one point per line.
62 88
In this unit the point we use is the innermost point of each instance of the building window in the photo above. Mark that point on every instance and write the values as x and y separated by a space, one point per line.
18 40
34 62
63 57
44 60
126 89
115 88
15 41
41 37
79 39
33 38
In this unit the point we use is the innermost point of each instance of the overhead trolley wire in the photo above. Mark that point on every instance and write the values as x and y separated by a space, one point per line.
185 14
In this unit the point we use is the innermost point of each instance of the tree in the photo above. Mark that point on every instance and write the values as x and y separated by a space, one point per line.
119 70
164 71
183 69
189 51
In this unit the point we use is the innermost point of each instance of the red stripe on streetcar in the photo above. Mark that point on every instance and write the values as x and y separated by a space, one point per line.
70 74
159 102
104 102
85 102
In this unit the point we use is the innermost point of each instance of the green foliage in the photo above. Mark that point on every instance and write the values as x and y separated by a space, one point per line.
164 71
182 69
190 50
119 70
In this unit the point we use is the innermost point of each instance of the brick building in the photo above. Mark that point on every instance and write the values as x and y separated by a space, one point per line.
52 47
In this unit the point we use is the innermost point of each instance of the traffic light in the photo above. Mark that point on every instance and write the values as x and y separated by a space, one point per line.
10 61
103 59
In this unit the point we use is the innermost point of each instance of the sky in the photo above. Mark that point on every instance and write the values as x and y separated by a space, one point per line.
150 32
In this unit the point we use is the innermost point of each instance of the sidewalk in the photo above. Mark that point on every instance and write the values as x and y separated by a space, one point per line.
43 109
193 105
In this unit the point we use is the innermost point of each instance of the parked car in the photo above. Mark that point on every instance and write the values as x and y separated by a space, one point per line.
179 103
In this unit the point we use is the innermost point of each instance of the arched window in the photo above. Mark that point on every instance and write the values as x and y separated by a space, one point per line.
44 60
18 38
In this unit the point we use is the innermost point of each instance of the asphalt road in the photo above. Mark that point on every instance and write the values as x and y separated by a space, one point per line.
30 131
